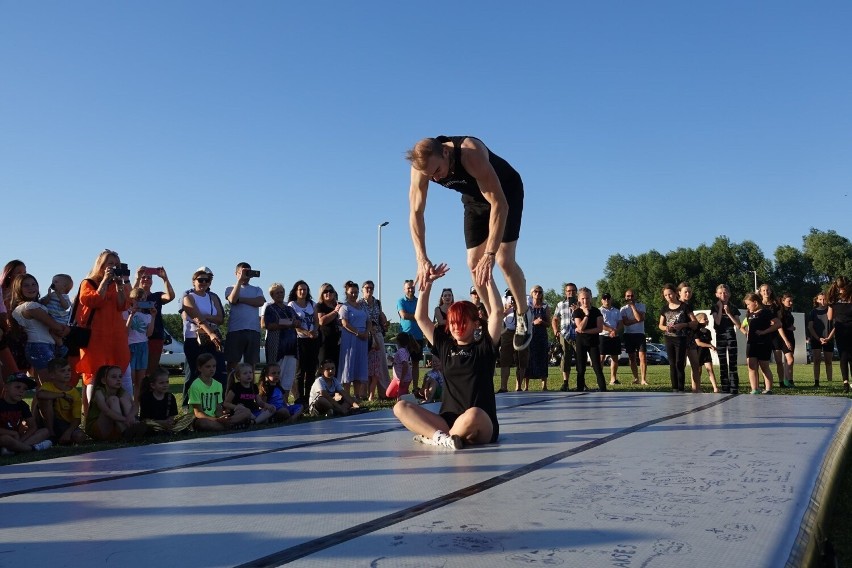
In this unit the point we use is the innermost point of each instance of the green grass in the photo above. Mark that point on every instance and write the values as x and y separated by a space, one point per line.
658 377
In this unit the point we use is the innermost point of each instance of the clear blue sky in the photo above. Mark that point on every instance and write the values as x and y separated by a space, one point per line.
188 133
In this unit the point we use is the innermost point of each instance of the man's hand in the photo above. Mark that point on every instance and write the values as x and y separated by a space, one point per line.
482 270
424 267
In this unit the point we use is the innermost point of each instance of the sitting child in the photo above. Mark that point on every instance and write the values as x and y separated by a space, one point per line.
702 340
60 404
328 395
18 432
433 382
271 392
401 368
242 391
111 415
158 407
205 398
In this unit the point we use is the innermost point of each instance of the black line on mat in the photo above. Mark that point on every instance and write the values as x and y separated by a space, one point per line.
119 476
307 548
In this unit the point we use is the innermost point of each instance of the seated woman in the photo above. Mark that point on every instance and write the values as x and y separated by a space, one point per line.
468 413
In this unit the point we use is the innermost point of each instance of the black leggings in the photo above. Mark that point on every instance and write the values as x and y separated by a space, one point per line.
726 348
843 339
589 344
676 351
308 350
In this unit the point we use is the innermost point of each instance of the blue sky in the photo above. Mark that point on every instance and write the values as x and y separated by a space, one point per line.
187 133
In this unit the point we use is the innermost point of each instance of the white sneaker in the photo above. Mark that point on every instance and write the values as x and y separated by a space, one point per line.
442 440
42 445
523 333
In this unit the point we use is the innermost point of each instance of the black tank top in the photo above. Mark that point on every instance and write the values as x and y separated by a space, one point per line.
461 181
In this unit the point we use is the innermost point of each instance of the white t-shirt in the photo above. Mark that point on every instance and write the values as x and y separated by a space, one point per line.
242 316
306 314
321 385
611 317
626 312
138 330
37 332
206 306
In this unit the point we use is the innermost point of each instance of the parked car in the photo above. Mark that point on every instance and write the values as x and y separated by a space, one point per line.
653 356
173 357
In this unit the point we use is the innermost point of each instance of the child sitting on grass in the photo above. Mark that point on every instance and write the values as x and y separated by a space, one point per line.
328 395
60 404
158 407
242 391
18 432
271 392
401 367
111 414
703 341
433 382
205 398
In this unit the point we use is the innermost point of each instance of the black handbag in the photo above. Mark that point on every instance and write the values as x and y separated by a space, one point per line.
78 336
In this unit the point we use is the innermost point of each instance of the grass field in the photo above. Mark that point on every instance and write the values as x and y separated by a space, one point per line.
658 377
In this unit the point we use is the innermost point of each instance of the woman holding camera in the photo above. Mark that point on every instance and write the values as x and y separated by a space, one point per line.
104 295
144 279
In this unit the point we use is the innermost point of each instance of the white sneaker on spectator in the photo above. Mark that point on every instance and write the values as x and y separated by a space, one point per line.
523 331
42 445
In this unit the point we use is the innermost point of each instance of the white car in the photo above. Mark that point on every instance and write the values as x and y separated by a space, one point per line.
172 357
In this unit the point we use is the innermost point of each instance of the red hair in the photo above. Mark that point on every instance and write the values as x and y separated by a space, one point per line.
461 313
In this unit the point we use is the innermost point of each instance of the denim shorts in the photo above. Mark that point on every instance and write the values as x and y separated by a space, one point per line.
38 354
139 356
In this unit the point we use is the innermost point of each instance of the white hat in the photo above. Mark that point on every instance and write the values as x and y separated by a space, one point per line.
204 269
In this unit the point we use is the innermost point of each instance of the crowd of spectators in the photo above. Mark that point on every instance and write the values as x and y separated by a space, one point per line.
326 356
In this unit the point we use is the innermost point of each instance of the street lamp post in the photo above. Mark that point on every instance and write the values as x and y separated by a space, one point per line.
755 279
385 224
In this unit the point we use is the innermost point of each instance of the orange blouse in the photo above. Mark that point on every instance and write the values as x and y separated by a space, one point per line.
108 344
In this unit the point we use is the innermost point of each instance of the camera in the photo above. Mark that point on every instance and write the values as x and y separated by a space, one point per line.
145 305
572 300
120 271
253 273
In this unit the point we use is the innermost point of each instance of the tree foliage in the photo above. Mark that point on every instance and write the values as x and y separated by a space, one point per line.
803 273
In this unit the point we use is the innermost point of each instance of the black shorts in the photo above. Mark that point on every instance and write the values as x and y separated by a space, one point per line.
416 352
477 215
704 355
508 357
825 347
779 345
635 342
760 351
610 346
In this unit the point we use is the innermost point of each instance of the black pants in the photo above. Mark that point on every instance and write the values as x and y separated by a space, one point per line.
726 349
308 350
588 344
676 351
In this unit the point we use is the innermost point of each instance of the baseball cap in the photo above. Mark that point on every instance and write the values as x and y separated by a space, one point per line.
606 297
21 377
204 269
473 290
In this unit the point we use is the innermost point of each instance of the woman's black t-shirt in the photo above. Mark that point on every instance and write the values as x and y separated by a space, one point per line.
468 375
594 314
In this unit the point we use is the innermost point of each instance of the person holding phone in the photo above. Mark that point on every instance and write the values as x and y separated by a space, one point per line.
145 279
564 328
243 340
633 320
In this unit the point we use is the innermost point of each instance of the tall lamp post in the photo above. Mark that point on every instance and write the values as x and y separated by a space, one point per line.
385 224
755 279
